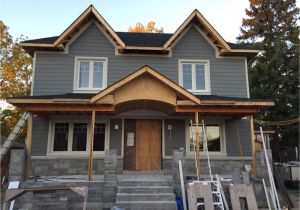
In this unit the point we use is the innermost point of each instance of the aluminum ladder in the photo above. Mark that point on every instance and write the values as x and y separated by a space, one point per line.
13 134
217 194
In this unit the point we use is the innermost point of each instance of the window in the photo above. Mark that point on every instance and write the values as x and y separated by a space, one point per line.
213 135
99 137
90 74
194 75
61 133
74 137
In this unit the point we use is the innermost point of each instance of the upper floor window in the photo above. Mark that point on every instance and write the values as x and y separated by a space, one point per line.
194 75
90 74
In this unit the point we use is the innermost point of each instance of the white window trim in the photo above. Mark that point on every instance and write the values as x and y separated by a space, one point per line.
69 152
76 88
206 63
222 139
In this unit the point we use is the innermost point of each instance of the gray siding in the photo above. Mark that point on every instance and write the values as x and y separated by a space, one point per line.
176 137
232 145
54 72
116 135
40 128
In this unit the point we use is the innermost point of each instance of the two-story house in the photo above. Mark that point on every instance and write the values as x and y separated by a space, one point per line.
95 89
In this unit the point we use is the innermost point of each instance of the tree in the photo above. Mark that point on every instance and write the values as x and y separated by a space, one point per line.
271 26
149 28
16 70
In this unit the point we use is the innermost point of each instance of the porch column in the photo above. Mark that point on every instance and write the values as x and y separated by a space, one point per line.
90 164
252 139
28 141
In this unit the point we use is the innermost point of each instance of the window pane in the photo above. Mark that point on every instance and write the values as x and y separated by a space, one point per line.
187 76
213 138
98 75
99 137
200 77
84 74
212 135
61 132
79 137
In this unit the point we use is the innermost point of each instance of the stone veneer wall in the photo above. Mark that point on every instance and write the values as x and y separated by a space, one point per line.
66 167
221 167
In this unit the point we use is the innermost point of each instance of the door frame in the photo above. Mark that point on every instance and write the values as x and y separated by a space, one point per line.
145 118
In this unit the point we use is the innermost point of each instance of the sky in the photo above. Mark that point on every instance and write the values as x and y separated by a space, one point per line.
44 18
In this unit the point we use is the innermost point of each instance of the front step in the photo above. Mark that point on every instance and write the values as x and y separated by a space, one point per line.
145 197
148 205
146 192
146 189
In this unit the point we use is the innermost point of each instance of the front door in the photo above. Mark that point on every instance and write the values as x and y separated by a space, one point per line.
142 145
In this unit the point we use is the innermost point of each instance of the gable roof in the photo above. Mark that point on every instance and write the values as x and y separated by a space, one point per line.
197 18
146 70
127 41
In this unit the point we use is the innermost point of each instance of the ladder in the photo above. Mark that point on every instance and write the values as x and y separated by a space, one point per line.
13 135
215 184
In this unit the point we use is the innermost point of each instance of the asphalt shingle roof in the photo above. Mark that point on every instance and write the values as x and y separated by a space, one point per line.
137 39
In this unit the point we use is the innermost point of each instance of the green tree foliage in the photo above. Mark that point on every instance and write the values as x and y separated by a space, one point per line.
16 70
271 26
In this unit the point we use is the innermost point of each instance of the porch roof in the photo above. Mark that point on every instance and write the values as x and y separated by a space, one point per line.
78 102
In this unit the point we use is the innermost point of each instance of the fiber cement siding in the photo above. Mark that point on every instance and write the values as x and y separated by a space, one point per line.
40 128
116 135
54 72
233 127
174 138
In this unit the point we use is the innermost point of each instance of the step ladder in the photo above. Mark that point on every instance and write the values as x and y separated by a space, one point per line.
217 192
13 135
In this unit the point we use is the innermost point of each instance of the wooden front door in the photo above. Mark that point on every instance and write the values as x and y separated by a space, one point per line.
142 145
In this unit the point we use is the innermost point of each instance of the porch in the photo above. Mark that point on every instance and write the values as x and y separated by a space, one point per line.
144 117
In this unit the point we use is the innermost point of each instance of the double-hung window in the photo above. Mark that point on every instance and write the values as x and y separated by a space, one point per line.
194 75
90 74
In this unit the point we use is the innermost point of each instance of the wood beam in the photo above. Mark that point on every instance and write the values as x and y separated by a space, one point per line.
29 141
90 165
70 108
197 145
221 110
252 139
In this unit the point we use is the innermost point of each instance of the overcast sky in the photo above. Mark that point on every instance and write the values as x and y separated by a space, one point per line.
43 18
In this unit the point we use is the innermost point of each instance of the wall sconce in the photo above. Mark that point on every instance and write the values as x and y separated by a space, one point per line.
116 126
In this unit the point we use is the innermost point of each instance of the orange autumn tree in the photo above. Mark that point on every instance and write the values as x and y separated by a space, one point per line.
149 28
15 77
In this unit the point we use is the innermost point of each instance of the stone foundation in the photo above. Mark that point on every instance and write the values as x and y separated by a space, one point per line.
69 167
221 167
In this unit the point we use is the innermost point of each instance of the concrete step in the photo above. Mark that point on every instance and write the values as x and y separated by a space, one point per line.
143 183
145 190
147 205
145 197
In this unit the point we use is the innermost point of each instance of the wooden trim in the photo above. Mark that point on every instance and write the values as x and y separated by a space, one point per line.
75 108
81 18
92 127
145 48
46 101
201 18
252 139
237 103
185 103
153 73
225 110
